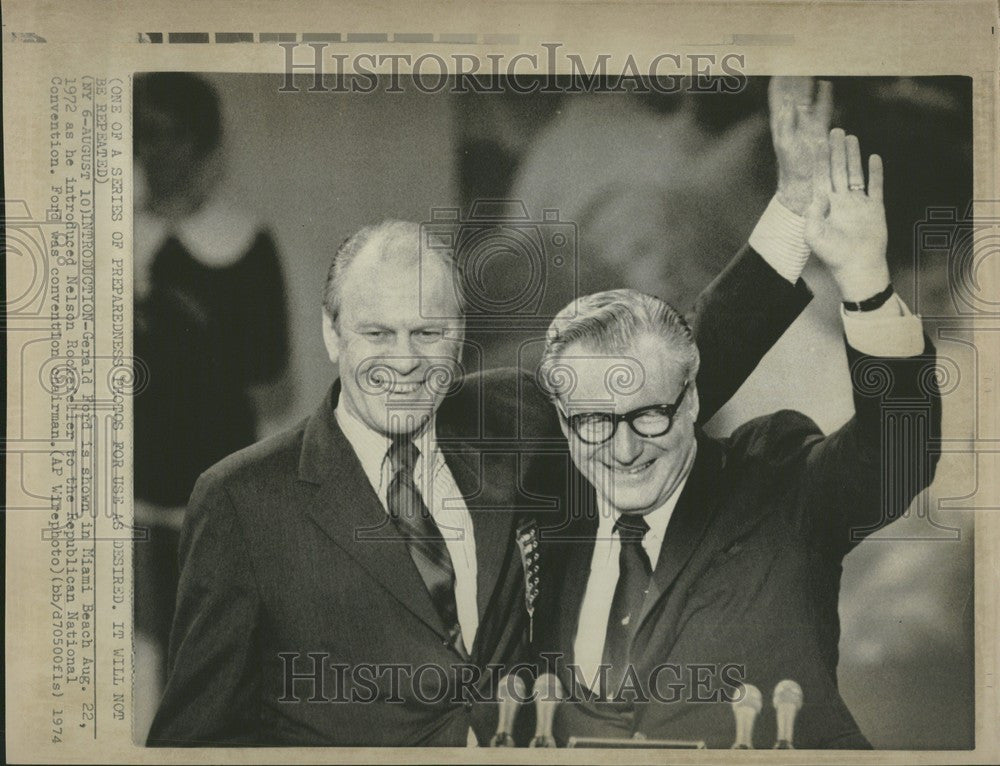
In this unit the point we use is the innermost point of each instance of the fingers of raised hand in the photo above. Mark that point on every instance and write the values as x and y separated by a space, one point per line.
786 96
812 116
796 90
782 122
838 160
875 176
781 106
823 108
822 182
855 169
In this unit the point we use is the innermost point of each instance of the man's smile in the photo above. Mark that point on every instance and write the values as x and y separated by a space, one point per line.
402 389
631 470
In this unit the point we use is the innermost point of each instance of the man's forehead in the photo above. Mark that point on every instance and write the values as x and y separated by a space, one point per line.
594 365
382 254
400 256
403 285
640 370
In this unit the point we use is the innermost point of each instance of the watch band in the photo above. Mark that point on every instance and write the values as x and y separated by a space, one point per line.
870 304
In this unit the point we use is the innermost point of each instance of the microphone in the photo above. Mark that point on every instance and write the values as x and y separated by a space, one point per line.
787 703
549 693
746 706
511 694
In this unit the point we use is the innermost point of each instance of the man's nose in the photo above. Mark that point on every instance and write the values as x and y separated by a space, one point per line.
626 445
405 357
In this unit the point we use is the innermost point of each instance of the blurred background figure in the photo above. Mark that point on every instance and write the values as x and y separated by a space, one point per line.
211 336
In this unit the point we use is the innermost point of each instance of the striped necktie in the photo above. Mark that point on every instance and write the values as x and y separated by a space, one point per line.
423 538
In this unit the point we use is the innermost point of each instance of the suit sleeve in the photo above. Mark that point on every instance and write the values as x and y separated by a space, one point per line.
865 475
736 320
211 692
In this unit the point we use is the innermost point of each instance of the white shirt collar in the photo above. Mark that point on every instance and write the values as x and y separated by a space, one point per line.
372 447
658 520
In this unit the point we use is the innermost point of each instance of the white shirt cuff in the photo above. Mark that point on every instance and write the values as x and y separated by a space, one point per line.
779 237
889 331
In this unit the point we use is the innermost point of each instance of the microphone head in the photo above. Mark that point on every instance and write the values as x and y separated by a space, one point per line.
788 692
748 696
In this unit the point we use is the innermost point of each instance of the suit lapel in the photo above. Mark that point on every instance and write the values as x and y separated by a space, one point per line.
491 527
349 512
695 509
568 551
574 582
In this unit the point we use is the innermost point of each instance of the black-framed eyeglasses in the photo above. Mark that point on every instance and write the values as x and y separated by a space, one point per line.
650 422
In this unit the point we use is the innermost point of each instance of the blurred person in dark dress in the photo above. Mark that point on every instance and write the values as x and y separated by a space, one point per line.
211 335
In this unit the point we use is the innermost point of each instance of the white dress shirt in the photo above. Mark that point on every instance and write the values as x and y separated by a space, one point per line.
595 609
779 237
441 496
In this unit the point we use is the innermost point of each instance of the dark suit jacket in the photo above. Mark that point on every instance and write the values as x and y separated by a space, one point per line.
746 585
278 563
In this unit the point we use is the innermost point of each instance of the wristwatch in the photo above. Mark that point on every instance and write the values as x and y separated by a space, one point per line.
870 304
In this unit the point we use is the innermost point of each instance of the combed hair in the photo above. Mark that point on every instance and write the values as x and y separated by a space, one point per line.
610 322
397 241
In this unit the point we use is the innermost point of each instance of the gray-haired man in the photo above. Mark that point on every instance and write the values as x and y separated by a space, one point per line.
693 564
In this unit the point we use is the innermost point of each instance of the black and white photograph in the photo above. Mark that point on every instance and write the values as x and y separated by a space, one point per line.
501 381
592 410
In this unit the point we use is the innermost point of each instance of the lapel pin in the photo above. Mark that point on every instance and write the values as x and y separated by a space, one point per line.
527 543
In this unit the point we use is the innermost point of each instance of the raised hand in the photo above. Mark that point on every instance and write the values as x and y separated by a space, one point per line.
798 125
845 225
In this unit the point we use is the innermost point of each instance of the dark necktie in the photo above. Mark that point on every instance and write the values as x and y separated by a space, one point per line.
423 538
634 572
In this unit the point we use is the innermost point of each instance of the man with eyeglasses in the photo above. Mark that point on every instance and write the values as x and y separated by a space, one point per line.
690 565
379 538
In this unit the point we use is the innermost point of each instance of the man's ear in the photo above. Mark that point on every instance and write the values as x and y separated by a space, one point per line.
331 338
563 425
460 341
694 403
